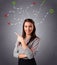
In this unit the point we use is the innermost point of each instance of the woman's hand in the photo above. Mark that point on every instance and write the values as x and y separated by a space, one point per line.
19 38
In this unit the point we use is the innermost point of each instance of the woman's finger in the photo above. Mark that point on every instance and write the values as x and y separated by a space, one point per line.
16 33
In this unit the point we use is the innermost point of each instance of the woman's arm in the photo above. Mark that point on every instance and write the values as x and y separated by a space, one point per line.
16 52
31 52
28 52
34 47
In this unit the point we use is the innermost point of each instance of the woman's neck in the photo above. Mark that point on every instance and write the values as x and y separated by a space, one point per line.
28 36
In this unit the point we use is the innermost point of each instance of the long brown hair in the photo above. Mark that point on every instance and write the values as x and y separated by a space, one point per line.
33 35
34 28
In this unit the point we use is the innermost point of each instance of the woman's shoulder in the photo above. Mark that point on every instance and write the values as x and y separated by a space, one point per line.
37 38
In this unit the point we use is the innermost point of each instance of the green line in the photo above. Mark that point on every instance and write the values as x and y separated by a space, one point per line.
43 2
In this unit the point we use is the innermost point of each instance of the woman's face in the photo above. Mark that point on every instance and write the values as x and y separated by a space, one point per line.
28 28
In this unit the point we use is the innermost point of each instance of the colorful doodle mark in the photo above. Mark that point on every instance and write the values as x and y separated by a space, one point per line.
13 2
51 11
34 3
6 15
9 23
43 2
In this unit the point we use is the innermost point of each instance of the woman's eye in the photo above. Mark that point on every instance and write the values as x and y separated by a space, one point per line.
26 26
30 26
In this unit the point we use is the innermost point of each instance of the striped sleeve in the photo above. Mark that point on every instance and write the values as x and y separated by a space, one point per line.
16 52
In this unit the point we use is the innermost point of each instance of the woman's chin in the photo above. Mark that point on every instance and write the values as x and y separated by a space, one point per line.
27 33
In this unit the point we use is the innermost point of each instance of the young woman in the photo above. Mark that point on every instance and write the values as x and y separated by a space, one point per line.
27 44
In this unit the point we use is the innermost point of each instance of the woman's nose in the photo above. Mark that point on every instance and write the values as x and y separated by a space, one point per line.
28 28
